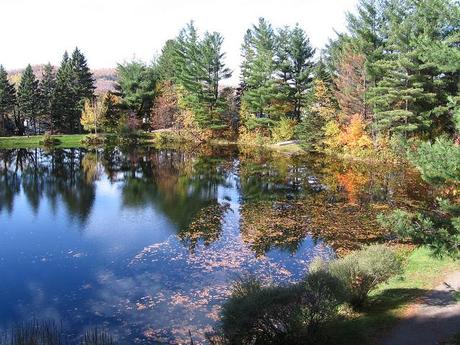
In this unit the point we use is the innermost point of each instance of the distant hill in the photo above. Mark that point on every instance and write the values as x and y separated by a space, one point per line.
105 78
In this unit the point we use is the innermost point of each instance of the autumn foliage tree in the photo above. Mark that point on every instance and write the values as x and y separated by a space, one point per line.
354 137
350 83
93 114
165 108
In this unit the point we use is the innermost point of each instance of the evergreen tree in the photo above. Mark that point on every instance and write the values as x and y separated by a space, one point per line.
321 72
211 63
367 27
29 98
67 107
7 98
47 88
322 110
295 67
416 79
167 62
112 114
84 78
201 68
136 86
258 71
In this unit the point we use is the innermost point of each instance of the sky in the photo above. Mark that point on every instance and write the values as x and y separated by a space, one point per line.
113 31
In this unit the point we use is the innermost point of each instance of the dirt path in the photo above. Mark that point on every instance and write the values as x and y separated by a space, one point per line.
435 318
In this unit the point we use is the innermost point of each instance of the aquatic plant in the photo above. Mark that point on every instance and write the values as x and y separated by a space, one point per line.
45 332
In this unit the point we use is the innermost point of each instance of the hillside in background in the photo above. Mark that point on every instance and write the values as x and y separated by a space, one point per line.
105 77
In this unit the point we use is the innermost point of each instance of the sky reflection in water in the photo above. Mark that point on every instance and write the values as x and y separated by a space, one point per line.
146 243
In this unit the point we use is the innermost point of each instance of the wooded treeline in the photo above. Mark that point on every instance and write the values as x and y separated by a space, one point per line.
394 75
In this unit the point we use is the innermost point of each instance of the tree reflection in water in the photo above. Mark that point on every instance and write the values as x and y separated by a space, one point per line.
188 221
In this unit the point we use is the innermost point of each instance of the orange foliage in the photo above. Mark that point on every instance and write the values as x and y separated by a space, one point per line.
354 136
351 83
353 183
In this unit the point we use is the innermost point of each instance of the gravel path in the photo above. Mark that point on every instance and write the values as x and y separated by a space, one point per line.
434 319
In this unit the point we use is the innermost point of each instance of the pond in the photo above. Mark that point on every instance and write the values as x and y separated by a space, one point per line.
146 242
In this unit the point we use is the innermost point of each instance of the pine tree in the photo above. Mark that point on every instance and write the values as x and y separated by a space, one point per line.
295 67
84 78
167 61
67 107
258 71
394 97
7 98
201 68
322 110
47 88
368 28
136 86
321 72
29 98
210 61
112 115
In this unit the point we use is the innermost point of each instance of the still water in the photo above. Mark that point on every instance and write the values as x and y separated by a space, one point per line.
146 243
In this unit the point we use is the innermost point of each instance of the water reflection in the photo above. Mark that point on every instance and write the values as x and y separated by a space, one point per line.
146 242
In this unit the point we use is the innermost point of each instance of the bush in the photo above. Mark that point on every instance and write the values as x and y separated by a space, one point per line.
284 130
93 140
49 140
252 137
128 128
322 294
260 315
294 314
360 272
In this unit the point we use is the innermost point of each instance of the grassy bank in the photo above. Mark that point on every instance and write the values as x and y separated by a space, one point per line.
390 301
71 140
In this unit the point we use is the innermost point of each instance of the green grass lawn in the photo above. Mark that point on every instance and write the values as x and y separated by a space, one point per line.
70 140
388 303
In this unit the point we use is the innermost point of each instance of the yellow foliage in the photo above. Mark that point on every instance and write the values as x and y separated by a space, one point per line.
284 130
332 133
93 114
355 138
251 137
323 104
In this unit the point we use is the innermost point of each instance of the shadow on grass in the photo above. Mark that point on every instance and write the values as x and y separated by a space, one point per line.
375 319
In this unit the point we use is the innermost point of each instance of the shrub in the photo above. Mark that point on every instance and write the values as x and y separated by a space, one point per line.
322 295
93 140
294 314
49 140
332 144
260 315
361 271
284 130
128 128
252 137
354 137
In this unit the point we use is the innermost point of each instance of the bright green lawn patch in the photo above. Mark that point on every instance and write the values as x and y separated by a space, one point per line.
387 304
71 140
